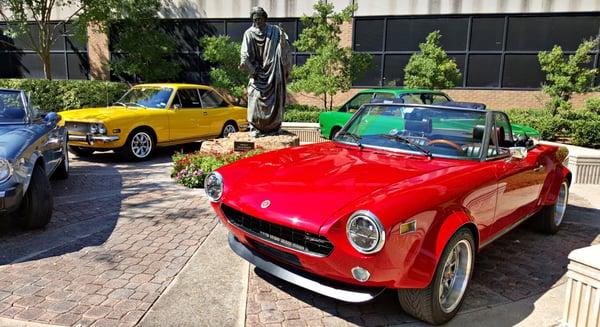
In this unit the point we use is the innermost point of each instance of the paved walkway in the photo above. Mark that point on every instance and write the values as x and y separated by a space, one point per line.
127 246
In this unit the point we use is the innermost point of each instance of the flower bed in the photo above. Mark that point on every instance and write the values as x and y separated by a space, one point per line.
191 169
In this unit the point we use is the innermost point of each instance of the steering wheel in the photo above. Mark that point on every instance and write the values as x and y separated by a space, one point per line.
447 142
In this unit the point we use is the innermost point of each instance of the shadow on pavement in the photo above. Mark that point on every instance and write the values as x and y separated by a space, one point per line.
522 264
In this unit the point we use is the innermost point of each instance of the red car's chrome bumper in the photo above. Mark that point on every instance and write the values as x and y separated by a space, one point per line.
388 269
343 292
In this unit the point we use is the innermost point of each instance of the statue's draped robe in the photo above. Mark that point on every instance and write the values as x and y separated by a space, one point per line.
266 56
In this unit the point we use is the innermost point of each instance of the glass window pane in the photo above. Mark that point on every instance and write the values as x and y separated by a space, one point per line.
236 30
183 33
301 59
358 101
393 74
381 95
78 65
289 27
211 100
368 35
11 65
189 98
193 69
522 71
373 76
460 64
74 43
487 33
542 33
484 70
33 68
405 34
211 28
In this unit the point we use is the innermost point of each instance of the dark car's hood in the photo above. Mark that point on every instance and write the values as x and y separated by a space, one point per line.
14 138
310 184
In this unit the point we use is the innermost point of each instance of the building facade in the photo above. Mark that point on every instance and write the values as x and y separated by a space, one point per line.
495 43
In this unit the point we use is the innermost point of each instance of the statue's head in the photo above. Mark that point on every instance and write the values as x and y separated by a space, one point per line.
259 17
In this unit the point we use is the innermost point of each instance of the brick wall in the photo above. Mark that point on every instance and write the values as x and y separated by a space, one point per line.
98 54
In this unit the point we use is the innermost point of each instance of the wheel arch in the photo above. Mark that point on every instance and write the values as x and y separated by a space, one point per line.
231 121
147 128
36 160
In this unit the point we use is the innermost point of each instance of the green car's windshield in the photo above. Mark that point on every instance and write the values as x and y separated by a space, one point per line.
12 108
431 131
146 97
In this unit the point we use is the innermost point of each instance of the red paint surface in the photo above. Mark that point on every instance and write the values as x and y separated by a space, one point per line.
317 187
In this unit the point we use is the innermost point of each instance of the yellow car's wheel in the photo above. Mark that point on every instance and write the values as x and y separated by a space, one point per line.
140 144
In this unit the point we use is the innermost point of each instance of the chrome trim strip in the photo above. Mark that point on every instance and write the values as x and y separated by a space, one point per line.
350 294
85 138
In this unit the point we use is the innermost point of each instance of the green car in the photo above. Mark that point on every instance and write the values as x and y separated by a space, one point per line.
331 122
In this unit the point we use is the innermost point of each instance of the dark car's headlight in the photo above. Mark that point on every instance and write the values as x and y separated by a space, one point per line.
6 170
213 186
365 232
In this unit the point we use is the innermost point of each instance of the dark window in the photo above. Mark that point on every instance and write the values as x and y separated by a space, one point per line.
487 33
78 65
373 76
460 64
236 30
183 33
301 59
484 70
289 27
522 71
393 75
368 35
542 33
211 28
192 68
188 98
211 100
405 34
382 95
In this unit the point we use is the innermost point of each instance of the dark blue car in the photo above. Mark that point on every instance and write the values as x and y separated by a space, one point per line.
32 148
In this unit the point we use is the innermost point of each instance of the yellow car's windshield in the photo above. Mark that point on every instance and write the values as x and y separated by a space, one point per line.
146 97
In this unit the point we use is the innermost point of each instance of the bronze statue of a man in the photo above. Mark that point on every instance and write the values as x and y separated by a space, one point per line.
266 56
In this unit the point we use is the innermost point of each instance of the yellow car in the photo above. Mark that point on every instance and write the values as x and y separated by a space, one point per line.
150 116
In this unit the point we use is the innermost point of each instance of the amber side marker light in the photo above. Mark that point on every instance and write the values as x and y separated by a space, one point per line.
408 227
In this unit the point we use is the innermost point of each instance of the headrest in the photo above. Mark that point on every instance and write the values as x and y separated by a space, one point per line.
418 126
478 133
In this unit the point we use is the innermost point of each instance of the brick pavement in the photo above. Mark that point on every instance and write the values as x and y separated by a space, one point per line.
521 264
119 235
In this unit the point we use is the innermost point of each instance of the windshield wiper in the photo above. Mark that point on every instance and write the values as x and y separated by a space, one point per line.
408 142
120 103
355 137
136 104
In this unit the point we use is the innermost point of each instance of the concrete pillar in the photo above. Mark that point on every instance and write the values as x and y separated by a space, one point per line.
98 54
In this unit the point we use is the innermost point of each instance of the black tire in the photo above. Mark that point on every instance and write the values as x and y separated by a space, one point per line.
62 171
549 219
424 303
81 152
36 208
140 145
334 131
228 128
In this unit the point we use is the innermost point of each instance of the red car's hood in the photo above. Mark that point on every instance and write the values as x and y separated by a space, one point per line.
307 185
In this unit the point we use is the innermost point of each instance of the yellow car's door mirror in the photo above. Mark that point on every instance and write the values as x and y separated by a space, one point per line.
176 106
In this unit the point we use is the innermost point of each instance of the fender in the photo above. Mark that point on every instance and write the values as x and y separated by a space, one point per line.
552 185
27 168
438 235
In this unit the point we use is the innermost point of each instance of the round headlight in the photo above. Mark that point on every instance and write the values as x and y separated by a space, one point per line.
94 128
365 232
5 170
101 129
213 186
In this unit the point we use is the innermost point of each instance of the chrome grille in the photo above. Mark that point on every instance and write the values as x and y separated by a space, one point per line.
77 127
287 237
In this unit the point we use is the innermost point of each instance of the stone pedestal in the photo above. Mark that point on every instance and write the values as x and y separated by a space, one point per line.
268 143
582 304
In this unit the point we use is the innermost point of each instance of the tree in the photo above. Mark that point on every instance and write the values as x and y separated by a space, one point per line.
567 75
43 33
330 68
431 68
225 54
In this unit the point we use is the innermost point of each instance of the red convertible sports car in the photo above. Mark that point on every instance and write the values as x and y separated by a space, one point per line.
403 198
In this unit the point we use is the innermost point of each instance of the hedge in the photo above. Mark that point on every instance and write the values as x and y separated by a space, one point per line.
58 95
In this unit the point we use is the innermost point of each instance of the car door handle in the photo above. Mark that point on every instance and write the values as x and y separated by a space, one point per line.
538 168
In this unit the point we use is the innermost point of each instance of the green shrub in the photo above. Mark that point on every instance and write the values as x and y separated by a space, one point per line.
593 105
58 95
191 169
303 107
550 127
301 116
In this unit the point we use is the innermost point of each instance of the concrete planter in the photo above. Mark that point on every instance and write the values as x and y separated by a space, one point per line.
582 303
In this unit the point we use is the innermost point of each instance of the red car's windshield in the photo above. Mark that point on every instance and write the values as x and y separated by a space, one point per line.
432 131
